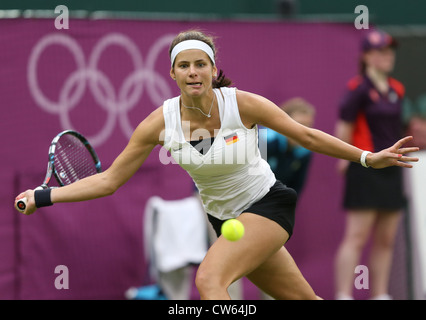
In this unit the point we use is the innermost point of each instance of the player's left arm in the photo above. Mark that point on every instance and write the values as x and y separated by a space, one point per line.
255 109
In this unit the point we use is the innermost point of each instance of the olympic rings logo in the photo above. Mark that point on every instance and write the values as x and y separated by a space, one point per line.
87 75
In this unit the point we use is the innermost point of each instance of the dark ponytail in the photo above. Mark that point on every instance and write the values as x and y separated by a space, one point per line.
221 80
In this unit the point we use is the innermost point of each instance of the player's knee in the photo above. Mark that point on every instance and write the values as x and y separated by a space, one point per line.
203 280
207 282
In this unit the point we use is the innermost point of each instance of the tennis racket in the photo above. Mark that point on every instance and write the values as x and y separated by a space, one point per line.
71 158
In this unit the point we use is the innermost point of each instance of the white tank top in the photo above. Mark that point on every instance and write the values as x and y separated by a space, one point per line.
231 175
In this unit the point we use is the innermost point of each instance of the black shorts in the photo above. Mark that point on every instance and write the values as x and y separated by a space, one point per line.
370 188
278 205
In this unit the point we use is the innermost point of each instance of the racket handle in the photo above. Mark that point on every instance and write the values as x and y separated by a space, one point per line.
21 205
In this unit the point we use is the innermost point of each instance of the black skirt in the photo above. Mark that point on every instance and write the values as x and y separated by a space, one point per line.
278 205
368 188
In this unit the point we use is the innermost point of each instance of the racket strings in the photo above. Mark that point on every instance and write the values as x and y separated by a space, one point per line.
72 160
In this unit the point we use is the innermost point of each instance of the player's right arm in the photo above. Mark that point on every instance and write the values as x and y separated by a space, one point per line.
145 137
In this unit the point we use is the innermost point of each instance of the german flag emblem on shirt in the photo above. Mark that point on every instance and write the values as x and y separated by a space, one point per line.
232 138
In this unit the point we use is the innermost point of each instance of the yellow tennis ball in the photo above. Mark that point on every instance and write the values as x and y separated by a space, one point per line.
232 230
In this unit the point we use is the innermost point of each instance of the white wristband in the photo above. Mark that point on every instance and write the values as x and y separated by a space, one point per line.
363 158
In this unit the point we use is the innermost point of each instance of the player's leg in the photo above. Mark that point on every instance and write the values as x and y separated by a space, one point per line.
357 231
280 277
228 261
382 251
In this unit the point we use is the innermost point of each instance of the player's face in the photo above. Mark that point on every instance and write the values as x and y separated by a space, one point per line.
193 72
381 59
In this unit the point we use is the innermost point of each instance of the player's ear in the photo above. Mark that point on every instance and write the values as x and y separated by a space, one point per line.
172 74
214 72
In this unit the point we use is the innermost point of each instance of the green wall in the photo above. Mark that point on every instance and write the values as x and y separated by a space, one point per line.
381 11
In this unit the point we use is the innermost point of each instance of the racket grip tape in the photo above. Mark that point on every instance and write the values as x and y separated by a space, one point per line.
21 205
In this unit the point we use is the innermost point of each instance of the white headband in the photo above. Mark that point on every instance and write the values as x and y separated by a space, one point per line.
192 44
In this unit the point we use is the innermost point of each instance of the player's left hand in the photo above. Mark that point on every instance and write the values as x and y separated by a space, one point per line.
393 156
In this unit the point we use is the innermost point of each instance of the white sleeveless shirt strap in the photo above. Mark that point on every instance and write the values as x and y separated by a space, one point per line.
170 107
229 107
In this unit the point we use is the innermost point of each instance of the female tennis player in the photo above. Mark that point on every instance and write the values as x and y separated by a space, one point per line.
232 178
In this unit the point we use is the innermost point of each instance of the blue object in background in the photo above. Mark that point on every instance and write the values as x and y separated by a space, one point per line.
151 292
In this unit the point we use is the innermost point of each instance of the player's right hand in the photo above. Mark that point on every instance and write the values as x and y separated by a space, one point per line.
31 207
